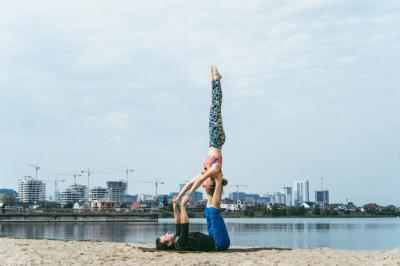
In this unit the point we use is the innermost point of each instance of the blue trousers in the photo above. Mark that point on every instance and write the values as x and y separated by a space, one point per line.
217 228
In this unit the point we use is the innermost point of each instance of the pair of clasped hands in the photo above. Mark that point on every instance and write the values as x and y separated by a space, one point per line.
185 200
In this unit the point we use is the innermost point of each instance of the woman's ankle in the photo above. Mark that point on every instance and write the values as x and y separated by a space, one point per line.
215 76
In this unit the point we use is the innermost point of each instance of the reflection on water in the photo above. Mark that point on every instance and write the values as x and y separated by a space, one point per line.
382 233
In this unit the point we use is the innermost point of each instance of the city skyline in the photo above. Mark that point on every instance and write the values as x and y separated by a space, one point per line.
310 89
49 186
115 190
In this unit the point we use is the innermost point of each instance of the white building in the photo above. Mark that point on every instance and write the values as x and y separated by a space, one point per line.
301 192
279 198
287 191
145 197
98 193
31 190
74 194
232 205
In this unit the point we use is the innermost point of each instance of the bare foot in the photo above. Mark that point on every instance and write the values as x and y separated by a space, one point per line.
215 74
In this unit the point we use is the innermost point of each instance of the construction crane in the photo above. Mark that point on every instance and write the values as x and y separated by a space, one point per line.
55 188
322 182
68 174
37 167
75 175
127 171
237 190
56 181
89 172
155 182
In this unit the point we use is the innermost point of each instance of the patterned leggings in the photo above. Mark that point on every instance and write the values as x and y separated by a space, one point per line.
217 134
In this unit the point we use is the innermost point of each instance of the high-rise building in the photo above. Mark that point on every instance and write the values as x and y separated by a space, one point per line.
252 197
279 198
301 192
287 191
98 193
237 196
31 190
269 197
56 196
74 194
322 198
116 190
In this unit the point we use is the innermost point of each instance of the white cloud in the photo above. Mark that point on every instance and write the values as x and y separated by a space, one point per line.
131 80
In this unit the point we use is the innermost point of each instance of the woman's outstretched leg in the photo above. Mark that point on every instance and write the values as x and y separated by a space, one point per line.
216 129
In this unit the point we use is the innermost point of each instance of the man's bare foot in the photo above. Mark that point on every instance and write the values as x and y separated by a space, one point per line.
215 74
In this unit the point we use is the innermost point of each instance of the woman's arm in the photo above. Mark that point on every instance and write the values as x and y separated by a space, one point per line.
215 168
189 185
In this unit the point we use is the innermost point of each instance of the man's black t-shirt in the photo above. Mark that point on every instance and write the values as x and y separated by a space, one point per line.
193 241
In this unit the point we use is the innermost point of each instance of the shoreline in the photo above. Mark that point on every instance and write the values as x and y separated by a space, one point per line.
17 251
76 217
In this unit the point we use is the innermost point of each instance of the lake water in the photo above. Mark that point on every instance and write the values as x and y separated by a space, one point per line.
343 233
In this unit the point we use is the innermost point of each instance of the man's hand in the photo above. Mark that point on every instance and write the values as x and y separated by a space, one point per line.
175 201
185 200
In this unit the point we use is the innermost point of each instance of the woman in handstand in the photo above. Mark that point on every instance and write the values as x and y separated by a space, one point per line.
213 164
216 240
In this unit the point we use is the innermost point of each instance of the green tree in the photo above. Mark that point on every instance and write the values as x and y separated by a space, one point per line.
8 199
300 211
69 205
325 212
275 210
317 210
51 206
249 212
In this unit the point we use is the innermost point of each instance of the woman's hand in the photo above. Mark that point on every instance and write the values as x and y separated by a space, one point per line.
185 200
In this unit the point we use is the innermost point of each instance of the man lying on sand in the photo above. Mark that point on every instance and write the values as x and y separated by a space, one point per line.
218 238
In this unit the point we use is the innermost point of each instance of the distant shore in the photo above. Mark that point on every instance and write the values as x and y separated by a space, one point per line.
77 217
55 252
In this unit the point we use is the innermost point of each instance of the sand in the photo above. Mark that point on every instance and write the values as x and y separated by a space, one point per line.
55 252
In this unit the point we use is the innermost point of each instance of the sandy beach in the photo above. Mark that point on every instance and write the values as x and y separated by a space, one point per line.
55 252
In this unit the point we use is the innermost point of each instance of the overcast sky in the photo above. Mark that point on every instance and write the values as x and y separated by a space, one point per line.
311 89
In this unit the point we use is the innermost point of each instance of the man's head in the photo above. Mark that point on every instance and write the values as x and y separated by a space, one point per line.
166 242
